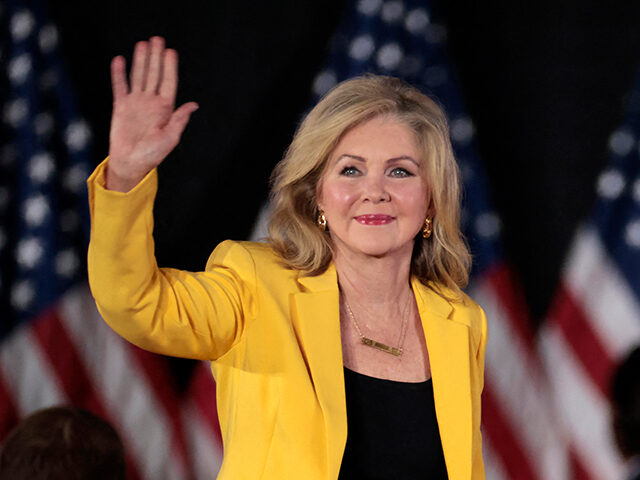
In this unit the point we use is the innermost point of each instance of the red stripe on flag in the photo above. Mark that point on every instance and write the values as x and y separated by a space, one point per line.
155 369
579 334
506 443
60 350
202 390
578 470
8 411
69 367
504 283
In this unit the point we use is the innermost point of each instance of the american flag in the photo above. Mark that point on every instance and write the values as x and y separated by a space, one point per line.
54 347
595 318
405 38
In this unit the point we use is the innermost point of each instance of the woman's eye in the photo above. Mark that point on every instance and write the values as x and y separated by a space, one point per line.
401 172
349 171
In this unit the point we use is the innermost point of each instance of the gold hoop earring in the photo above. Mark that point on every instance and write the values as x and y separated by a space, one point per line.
428 228
322 221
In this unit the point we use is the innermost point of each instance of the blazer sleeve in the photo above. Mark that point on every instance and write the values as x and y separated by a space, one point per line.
197 315
478 464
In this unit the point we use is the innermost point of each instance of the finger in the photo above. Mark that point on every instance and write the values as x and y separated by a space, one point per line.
169 84
179 120
156 58
118 79
138 66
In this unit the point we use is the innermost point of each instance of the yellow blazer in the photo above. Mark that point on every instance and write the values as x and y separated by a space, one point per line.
273 338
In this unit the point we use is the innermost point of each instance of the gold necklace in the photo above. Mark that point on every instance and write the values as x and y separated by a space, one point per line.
397 351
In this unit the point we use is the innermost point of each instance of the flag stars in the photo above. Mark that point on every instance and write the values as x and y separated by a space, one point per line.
35 210
621 142
487 225
389 56
48 38
66 263
15 112
610 184
324 82
22 24
77 135
392 11
462 130
369 7
74 178
19 68
361 47
632 233
22 294
29 252
41 167
416 21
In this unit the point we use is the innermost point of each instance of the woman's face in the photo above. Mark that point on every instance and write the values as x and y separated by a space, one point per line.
372 192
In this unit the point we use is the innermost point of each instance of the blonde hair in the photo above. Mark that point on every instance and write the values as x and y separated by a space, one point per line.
443 259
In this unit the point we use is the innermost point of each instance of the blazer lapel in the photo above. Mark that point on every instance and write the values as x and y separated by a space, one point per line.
448 347
317 321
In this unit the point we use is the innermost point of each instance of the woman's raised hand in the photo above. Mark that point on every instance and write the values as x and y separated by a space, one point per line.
145 126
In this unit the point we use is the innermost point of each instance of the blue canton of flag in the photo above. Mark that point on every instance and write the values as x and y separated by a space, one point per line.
54 347
43 167
405 39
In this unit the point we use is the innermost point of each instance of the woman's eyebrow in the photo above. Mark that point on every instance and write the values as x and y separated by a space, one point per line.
353 157
390 160
403 157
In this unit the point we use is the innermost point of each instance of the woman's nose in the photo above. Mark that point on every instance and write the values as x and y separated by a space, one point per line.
375 189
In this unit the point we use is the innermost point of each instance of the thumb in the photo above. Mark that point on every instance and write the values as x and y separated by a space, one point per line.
179 119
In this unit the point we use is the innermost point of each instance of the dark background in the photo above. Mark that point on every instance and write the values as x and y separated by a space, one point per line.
544 84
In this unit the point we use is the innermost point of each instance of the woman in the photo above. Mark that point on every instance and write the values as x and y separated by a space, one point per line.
331 342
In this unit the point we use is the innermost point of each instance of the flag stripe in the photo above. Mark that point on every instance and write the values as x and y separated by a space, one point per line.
65 361
8 411
204 444
501 278
582 410
119 381
584 342
29 378
511 452
578 469
605 296
514 373
156 372
203 392
493 467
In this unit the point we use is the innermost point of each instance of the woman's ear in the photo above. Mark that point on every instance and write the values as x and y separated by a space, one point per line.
431 209
319 200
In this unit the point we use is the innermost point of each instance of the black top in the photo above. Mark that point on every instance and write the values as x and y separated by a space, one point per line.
392 430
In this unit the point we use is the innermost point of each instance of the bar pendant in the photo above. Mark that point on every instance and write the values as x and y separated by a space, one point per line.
381 346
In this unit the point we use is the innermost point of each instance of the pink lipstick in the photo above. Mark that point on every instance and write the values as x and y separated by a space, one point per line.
374 219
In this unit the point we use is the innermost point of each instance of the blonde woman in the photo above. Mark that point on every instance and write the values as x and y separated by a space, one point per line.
343 347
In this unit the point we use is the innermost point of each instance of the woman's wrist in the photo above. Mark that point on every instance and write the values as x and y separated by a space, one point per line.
120 183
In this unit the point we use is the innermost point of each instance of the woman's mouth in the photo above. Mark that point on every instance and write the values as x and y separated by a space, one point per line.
374 219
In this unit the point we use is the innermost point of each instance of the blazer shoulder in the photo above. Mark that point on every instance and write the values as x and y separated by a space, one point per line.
248 258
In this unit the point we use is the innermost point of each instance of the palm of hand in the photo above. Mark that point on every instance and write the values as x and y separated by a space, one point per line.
144 126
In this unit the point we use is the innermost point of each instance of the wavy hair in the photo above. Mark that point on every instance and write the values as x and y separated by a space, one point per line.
442 259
